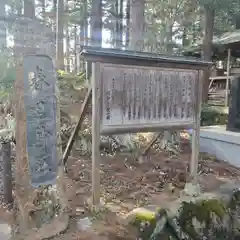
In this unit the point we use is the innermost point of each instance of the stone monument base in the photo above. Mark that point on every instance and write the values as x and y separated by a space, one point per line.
223 144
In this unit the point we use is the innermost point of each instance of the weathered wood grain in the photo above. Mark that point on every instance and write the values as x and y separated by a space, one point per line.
146 96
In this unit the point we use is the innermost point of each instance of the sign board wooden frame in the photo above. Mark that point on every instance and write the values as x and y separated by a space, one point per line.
162 93
143 99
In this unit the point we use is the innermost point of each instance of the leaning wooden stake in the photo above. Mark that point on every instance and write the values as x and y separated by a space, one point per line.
150 144
77 127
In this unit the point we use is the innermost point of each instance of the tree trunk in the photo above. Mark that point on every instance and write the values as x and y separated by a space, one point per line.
237 24
118 31
29 9
196 29
60 35
3 30
88 65
85 24
75 48
67 39
169 43
116 27
81 43
54 24
96 31
184 37
76 40
120 25
137 24
189 22
127 24
136 44
96 23
209 14
80 66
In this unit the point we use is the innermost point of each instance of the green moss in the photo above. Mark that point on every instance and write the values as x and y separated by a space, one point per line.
234 203
214 219
46 205
234 207
143 215
151 225
201 211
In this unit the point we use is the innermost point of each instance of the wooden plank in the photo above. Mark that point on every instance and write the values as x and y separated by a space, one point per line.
96 103
196 132
235 70
77 127
121 129
221 77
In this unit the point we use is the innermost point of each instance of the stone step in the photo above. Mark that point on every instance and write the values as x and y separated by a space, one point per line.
5 231
223 144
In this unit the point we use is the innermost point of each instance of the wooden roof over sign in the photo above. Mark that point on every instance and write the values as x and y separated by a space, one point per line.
140 58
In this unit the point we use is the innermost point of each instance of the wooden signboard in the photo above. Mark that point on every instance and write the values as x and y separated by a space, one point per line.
138 99
137 92
41 107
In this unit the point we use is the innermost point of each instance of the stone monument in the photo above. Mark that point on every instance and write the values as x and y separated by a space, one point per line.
234 103
40 198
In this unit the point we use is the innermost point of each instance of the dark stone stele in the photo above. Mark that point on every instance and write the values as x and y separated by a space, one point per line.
234 106
40 104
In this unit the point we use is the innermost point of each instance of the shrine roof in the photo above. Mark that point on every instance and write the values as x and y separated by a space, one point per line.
220 45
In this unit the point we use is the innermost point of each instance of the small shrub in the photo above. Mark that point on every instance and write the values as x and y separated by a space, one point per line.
212 115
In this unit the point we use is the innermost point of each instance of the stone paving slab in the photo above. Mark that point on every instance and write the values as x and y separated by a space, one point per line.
5 231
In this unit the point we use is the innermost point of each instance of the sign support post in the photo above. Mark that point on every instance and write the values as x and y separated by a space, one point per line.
96 134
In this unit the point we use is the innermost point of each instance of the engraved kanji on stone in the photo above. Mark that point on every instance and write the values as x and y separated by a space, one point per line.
42 133
38 109
42 165
41 105
38 81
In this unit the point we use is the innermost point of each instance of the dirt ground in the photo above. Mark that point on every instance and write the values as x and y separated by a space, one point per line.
127 183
